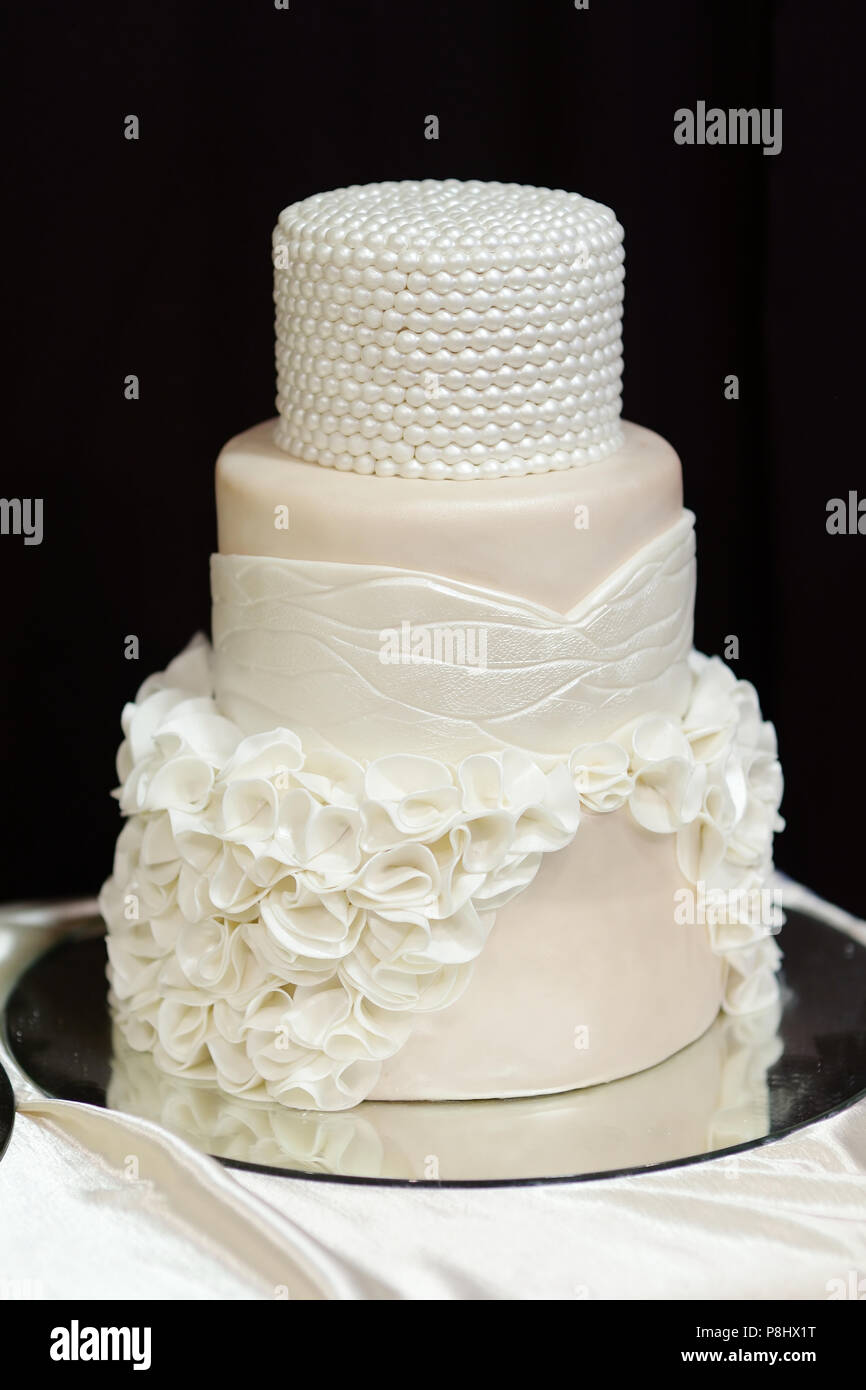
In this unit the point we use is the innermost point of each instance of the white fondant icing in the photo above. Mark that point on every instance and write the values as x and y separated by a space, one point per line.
443 329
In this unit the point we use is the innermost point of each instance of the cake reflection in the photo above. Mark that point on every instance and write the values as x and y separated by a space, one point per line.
710 1096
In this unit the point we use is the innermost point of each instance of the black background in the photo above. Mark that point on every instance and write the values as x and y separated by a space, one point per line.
153 257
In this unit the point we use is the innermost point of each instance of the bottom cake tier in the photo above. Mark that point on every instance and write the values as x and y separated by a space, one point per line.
294 925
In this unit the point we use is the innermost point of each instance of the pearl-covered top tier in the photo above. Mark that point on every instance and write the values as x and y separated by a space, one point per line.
448 329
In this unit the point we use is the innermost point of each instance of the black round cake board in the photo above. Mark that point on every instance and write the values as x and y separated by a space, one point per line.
59 1031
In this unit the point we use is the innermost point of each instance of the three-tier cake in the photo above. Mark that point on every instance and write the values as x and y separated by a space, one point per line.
439 813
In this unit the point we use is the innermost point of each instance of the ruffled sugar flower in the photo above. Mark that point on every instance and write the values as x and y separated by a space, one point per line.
668 782
601 775
714 714
407 798
301 938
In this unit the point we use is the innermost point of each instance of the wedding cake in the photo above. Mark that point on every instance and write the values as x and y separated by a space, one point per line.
439 813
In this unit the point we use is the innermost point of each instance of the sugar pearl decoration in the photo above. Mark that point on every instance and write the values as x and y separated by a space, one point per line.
443 329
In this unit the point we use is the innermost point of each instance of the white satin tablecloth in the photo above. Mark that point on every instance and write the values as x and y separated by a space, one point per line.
787 1220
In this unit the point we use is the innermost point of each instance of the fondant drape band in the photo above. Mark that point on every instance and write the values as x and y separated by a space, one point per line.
371 660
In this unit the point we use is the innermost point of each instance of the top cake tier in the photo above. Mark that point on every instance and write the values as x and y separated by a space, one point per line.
443 329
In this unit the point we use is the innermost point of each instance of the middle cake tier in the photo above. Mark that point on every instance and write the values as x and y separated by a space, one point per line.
377 615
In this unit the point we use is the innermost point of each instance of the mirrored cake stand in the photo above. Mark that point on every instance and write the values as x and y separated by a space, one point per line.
745 1082
7 1111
